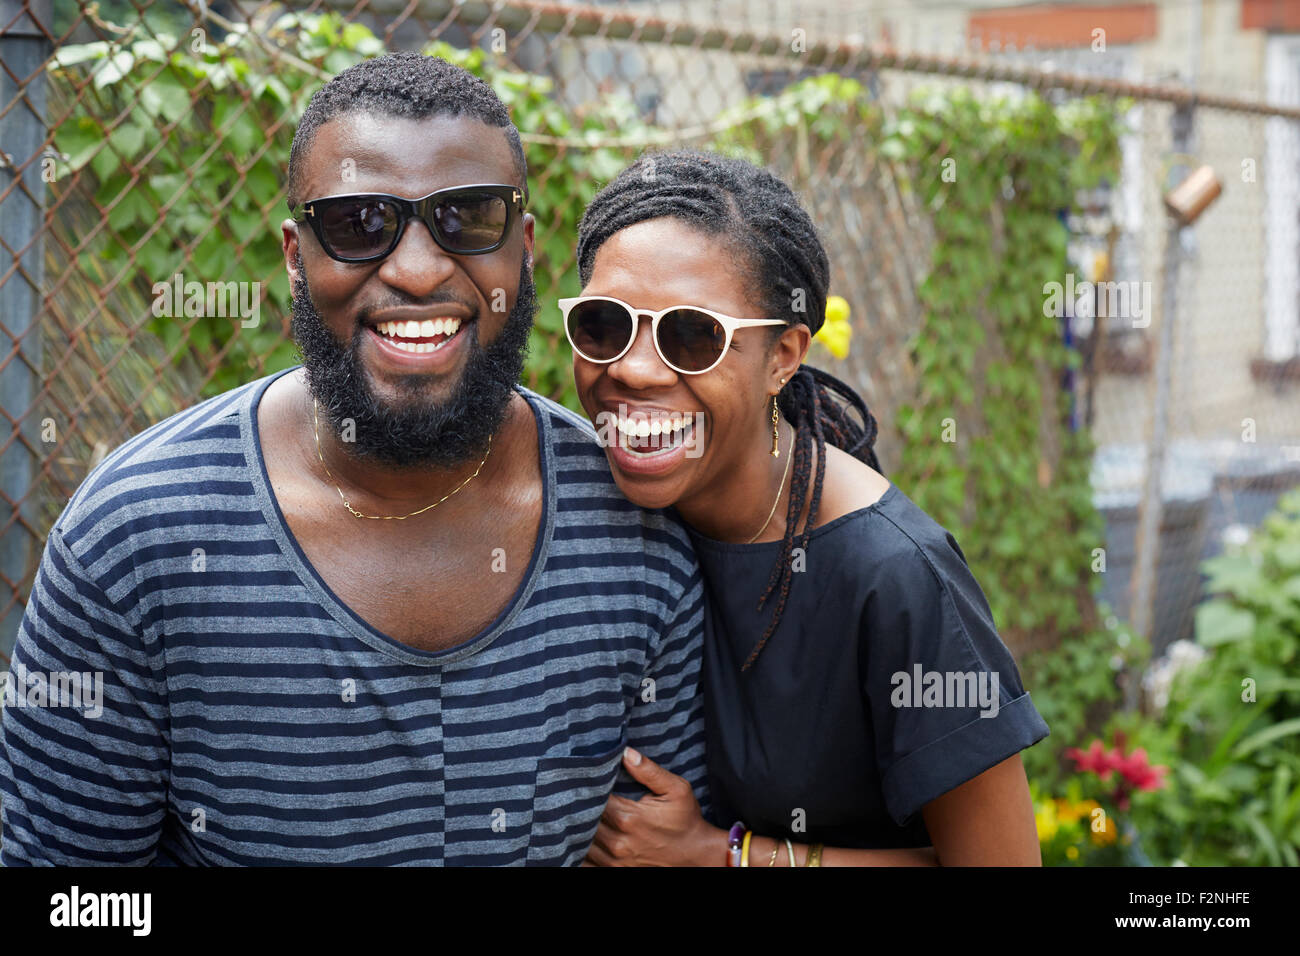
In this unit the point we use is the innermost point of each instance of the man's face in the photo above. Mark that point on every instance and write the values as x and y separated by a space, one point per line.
411 408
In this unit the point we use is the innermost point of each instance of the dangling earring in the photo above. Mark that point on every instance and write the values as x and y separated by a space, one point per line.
776 450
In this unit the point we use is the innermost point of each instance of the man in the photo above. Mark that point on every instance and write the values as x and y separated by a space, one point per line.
386 608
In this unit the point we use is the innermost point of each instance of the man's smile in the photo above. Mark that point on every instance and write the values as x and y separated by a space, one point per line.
427 336
419 340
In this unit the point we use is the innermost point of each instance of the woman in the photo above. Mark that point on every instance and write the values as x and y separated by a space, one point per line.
861 708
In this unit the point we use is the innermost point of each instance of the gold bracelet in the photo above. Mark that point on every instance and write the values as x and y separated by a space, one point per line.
744 848
814 855
789 848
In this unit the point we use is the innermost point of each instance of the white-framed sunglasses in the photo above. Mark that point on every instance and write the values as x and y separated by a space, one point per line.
690 340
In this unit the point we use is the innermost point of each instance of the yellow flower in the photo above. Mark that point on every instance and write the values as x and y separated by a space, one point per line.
837 308
1074 812
1072 852
1045 822
836 331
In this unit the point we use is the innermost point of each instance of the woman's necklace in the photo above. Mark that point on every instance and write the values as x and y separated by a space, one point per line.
358 514
789 457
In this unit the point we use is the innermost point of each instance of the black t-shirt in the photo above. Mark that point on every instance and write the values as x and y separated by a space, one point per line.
867 701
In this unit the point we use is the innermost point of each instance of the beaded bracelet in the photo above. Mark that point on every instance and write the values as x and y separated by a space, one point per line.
735 842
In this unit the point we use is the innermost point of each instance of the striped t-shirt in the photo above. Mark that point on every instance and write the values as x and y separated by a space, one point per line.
247 716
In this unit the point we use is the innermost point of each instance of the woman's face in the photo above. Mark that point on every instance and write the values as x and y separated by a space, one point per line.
653 265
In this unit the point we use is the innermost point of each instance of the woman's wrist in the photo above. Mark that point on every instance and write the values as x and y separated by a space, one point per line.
773 852
709 845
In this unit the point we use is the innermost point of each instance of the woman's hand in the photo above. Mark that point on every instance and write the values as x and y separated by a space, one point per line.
663 828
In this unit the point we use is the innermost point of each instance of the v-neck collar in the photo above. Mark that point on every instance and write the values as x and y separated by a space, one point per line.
352 622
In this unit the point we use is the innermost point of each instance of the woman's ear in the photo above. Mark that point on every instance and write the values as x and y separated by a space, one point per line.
788 352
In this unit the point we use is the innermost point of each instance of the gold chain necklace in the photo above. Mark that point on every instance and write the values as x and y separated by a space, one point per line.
788 458
357 514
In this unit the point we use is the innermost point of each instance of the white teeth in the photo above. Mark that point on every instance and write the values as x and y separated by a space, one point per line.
664 433
417 347
426 329
644 427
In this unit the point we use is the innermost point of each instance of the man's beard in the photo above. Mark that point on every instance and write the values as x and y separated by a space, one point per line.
415 432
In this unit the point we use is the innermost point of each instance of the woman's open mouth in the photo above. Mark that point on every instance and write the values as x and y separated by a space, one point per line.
649 445
645 438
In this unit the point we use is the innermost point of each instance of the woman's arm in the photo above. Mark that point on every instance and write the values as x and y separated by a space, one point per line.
987 821
665 828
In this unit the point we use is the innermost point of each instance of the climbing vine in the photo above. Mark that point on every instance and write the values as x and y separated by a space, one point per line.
990 453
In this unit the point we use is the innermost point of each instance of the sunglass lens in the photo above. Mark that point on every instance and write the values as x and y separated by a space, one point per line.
359 228
691 340
471 221
599 330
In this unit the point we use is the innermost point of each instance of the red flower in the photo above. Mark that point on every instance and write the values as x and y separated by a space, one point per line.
1135 771
1139 773
1096 759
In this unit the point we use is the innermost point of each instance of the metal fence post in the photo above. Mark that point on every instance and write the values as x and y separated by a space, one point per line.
24 50
1151 505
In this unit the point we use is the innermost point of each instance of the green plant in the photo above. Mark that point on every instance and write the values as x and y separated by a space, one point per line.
1231 729
185 145
1074 688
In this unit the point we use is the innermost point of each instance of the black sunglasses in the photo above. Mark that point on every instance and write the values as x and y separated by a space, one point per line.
361 227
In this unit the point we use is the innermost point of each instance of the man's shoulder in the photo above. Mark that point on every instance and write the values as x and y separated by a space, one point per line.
565 423
197 448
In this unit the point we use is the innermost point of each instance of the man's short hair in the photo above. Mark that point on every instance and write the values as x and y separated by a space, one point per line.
408 85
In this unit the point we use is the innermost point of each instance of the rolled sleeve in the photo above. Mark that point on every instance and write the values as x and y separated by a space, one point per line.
932 659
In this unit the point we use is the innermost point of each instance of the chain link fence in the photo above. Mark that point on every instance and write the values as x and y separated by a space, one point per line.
105 191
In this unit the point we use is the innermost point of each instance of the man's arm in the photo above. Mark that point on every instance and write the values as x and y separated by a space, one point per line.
84 760
667 723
